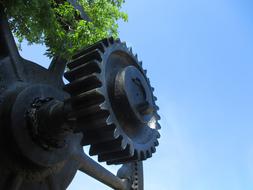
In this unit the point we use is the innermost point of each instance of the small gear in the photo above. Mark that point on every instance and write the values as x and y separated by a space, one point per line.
113 103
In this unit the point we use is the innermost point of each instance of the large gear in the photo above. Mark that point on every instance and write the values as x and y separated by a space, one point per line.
113 103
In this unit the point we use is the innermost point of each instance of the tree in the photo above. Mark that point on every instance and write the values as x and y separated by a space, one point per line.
59 25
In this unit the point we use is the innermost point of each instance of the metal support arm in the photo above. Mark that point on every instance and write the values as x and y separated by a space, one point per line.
95 170
8 45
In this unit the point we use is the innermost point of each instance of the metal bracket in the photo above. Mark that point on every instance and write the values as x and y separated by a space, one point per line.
129 176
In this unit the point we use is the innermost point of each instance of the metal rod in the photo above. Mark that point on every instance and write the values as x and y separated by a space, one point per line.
57 66
8 44
95 170
16 182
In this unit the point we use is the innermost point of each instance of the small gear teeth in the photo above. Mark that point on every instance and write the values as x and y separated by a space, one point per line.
99 138
114 156
90 97
88 111
95 119
125 160
124 44
156 143
116 133
117 40
153 150
83 84
143 156
101 45
157 135
149 153
140 63
90 123
103 106
95 54
135 184
125 143
158 117
156 107
108 147
112 41
158 126
109 120
83 69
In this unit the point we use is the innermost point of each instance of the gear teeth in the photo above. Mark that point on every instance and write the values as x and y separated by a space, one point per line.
158 135
109 120
88 111
106 147
124 44
148 153
96 119
125 160
158 126
95 122
95 54
156 107
83 69
111 40
158 117
101 45
155 98
116 133
145 71
95 138
114 156
156 143
90 97
140 63
83 84
104 106
106 42
143 155
153 150
149 83
136 56
124 144
117 40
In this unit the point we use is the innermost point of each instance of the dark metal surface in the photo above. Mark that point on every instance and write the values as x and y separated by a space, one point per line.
44 124
8 45
132 172
113 103
93 169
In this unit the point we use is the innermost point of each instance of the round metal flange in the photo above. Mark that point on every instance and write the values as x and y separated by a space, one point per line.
22 134
132 90
26 164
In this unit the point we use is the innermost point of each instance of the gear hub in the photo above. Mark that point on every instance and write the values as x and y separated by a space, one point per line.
113 103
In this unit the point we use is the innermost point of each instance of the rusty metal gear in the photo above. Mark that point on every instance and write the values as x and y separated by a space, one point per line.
113 103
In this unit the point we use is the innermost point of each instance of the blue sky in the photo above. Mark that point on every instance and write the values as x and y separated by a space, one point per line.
199 57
